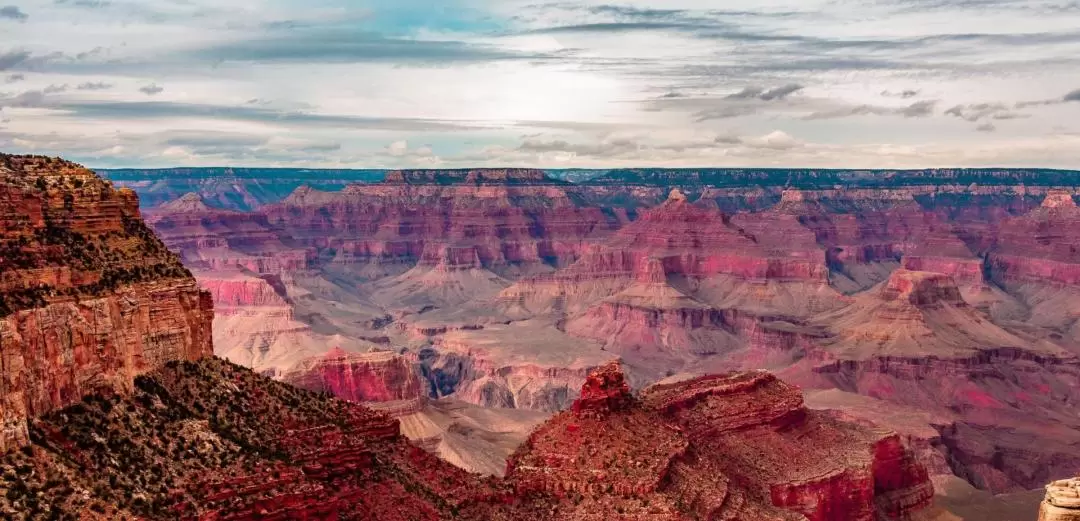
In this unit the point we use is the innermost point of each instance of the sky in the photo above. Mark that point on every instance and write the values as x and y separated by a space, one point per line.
582 84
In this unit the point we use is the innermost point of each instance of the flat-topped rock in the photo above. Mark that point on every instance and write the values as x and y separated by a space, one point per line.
921 289
471 176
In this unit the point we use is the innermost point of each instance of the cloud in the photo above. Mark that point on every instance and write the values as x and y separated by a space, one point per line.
980 111
100 85
397 148
349 45
919 109
14 78
152 90
904 94
13 58
157 110
55 89
90 4
1072 96
986 127
12 12
776 93
28 99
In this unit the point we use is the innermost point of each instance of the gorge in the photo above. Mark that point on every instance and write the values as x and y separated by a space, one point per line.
847 349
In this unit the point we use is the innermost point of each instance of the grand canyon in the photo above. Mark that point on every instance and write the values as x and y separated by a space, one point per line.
507 344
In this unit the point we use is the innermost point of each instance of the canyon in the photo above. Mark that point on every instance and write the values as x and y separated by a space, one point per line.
120 410
930 316
945 293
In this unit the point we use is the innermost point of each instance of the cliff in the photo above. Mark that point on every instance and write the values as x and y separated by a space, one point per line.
496 176
89 297
378 376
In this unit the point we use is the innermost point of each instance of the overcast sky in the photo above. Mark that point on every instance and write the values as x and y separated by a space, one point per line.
399 83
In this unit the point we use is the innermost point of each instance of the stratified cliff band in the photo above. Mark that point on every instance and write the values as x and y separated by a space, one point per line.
89 297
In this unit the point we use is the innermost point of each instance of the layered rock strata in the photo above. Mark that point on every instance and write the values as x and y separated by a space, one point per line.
739 446
89 297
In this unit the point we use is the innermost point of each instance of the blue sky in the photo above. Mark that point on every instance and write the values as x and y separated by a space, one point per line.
408 83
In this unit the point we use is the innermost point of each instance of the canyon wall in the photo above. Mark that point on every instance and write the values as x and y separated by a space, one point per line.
89 297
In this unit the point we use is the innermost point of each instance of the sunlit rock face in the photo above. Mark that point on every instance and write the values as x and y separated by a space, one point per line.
89 297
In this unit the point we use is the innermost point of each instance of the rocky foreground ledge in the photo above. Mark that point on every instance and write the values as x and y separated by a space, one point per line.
1062 501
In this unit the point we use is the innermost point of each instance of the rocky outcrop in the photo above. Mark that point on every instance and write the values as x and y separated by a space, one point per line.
605 391
377 376
89 297
739 446
1062 501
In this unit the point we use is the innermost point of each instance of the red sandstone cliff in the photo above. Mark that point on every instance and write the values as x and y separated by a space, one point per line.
89 297
377 376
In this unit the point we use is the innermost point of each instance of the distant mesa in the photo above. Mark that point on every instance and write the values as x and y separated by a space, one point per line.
495 176
921 289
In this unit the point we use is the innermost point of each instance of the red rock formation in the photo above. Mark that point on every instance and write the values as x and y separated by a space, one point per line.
378 376
914 341
740 446
214 239
720 260
89 298
605 391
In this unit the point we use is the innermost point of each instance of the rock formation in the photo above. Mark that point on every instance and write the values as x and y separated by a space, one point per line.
739 446
1062 501
914 341
377 376
89 297
506 286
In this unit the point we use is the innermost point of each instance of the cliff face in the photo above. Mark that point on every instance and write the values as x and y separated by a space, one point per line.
89 297
511 226
378 376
